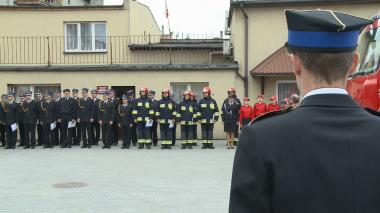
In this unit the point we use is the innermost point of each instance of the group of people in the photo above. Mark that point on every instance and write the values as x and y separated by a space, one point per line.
68 120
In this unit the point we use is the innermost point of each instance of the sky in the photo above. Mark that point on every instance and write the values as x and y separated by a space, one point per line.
194 17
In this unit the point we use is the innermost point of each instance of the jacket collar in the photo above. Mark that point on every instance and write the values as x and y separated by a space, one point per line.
329 100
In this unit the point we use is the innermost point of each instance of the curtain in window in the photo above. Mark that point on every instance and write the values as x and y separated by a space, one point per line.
100 37
197 88
71 36
86 36
178 90
285 90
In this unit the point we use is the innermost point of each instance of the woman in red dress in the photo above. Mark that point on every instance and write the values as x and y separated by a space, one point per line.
260 107
246 113
273 106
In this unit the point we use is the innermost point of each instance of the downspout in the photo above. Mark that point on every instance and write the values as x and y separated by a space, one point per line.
245 50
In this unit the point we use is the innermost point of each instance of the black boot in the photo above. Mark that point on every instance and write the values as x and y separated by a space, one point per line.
204 146
211 146
169 146
89 146
26 147
190 146
163 146
83 146
148 145
183 146
141 146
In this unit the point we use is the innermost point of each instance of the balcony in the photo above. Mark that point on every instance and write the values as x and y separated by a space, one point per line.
110 50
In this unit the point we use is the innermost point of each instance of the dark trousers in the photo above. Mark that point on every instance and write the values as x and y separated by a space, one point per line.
2 135
29 134
77 134
174 130
115 133
107 134
153 131
195 133
66 134
11 136
95 132
86 133
57 134
127 135
143 133
187 134
21 129
207 133
48 135
134 135
40 134
166 134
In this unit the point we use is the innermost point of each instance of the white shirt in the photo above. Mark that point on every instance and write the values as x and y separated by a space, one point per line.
322 91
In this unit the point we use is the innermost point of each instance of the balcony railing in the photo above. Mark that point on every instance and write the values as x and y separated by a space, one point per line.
73 50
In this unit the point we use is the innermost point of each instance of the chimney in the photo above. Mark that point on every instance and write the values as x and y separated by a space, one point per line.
221 34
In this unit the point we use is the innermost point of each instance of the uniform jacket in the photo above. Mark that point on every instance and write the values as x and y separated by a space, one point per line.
116 102
1 112
48 113
230 111
273 107
67 109
124 114
29 111
322 157
259 109
166 110
38 109
20 114
143 109
95 109
155 107
85 109
11 113
106 111
208 110
246 112
186 113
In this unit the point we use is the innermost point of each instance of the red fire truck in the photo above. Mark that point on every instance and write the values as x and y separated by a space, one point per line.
364 84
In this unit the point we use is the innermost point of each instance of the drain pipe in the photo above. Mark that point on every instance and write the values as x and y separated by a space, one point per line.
246 36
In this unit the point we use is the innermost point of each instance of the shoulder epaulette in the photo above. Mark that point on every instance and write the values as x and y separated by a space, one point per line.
271 114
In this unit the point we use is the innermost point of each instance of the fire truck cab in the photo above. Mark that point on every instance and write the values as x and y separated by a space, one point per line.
364 84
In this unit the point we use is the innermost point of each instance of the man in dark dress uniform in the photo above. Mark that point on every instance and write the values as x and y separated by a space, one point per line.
48 118
115 128
125 120
11 109
66 113
106 117
84 118
131 101
77 129
2 126
29 109
95 126
153 130
57 138
40 139
323 156
21 121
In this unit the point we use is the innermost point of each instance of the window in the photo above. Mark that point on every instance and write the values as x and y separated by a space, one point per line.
371 43
19 89
85 37
179 88
285 89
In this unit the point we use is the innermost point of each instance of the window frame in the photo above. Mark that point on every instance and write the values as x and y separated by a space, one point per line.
188 85
93 37
283 82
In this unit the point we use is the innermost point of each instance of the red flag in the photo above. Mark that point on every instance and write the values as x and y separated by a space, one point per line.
166 10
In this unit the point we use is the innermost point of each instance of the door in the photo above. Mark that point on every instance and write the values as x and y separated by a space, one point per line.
120 90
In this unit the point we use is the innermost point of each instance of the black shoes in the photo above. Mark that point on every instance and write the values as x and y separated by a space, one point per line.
141 146
190 146
204 146
183 146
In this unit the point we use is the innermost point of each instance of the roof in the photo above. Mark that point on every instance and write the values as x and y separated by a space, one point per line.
277 64
181 44
273 3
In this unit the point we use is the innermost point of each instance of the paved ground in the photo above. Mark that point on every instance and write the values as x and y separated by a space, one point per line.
141 181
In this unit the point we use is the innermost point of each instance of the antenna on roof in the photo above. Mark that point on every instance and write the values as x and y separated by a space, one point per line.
167 16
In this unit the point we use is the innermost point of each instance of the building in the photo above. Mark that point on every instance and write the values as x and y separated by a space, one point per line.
56 45
258 32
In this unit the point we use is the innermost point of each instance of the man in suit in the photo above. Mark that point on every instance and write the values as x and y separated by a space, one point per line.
106 118
77 129
84 118
153 130
2 127
48 117
66 113
324 155
131 101
29 109
125 120
21 121
115 128
57 133
40 139
11 109
95 127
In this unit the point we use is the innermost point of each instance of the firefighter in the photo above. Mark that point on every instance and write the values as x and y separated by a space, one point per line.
209 114
273 106
186 116
84 118
193 98
260 107
143 114
11 109
153 129
21 121
125 121
95 126
40 135
66 114
115 128
48 117
230 116
29 109
166 113
106 117
131 101
246 113
2 126
77 129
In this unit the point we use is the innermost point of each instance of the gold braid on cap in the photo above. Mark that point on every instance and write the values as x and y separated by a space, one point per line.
118 109
100 107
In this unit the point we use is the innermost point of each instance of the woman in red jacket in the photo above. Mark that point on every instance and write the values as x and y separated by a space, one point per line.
260 107
273 106
246 113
